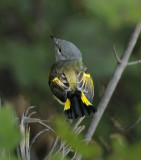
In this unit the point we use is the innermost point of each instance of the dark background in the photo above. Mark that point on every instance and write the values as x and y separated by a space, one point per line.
27 53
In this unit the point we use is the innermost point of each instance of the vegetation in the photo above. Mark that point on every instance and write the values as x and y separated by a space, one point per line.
26 55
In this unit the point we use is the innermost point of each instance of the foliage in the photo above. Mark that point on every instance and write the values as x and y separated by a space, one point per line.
115 13
27 53
75 141
9 133
57 157
122 150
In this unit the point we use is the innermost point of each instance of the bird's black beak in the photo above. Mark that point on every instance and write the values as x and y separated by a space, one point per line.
55 40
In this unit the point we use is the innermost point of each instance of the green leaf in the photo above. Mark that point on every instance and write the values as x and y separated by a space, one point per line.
57 157
8 156
9 132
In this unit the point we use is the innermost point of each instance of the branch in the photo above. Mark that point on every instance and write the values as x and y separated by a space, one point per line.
116 55
112 85
36 136
135 62
24 148
133 125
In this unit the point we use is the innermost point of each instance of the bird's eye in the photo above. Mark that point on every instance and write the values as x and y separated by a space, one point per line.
59 50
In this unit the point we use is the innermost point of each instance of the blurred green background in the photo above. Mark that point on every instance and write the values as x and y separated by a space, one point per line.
27 53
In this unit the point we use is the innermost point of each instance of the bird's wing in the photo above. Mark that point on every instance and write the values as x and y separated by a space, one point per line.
85 84
59 86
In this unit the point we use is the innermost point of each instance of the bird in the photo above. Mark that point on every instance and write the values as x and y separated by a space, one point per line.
70 81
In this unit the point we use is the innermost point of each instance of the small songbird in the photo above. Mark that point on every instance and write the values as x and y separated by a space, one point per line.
70 81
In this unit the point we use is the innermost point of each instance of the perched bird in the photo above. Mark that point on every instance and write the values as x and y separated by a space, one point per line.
70 81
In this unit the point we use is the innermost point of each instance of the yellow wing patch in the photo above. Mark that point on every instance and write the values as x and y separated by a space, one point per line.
55 80
89 77
86 75
67 104
84 99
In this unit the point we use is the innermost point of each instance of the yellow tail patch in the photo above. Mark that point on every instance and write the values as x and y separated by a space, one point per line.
84 99
67 104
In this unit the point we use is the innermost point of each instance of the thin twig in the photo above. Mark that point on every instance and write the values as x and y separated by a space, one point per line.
32 113
77 123
76 131
46 126
52 148
27 137
37 135
66 152
116 55
65 147
111 86
74 155
29 108
133 125
135 62
79 129
63 152
62 145
33 120
24 121
105 144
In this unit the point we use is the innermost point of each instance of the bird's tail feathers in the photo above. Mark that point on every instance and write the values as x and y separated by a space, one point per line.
77 105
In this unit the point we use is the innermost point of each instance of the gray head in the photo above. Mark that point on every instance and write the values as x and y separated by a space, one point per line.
65 50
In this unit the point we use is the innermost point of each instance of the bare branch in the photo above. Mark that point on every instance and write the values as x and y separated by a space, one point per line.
105 144
79 129
135 62
113 83
37 135
53 148
25 144
28 120
77 123
74 155
64 147
32 113
28 109
48 127
133 125
116 55
111 86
